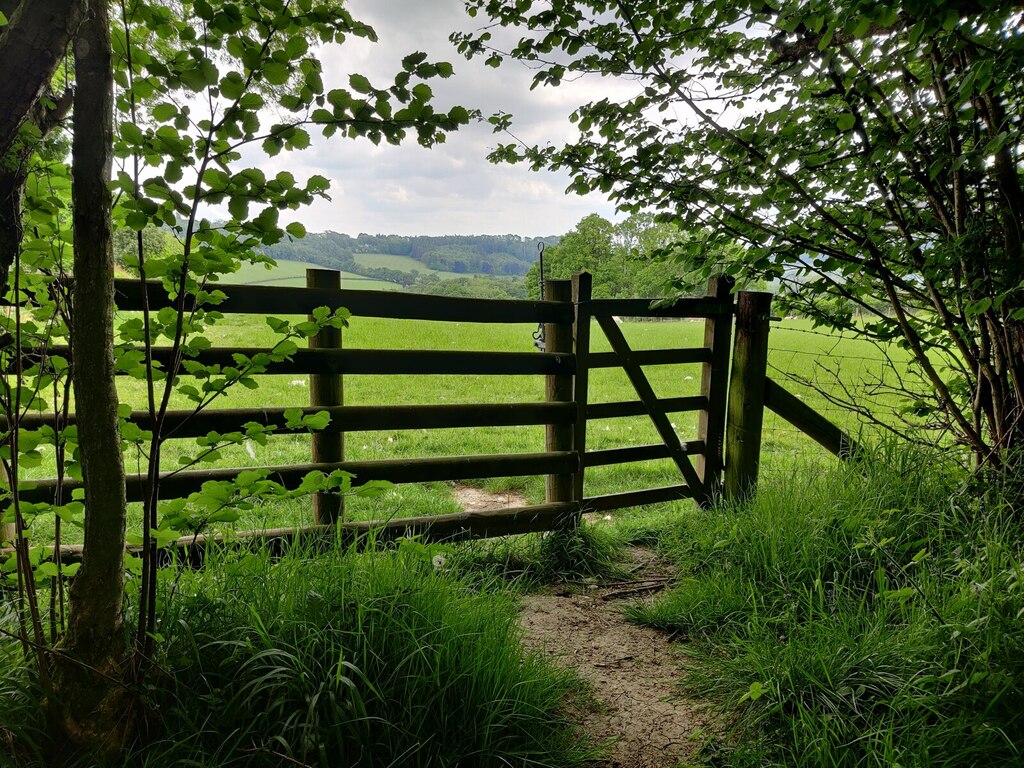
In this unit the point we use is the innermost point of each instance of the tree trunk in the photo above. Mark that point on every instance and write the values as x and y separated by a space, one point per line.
31 46
90 697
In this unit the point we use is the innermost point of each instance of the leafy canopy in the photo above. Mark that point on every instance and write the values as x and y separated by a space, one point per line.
856 150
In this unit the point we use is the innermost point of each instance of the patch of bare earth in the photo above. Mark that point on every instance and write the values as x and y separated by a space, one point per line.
633 671
476 500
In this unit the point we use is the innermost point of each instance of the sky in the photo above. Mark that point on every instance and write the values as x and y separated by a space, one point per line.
451 188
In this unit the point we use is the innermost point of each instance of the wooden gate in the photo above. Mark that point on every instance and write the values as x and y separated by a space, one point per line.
700 479
730 404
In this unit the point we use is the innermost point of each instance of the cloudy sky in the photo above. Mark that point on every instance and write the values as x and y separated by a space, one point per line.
451 188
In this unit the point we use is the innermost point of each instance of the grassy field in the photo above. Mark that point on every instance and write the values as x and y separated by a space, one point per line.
797 350
792 348
402 264
293 273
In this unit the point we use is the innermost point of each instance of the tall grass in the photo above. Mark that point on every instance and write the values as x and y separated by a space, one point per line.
335 659
870 616
381 659
586 553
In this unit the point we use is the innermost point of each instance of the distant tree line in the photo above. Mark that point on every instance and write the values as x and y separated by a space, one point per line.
637 257
474 286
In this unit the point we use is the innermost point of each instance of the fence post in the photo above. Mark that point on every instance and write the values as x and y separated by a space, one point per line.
582 287
326 389
746 394
558 437
714 385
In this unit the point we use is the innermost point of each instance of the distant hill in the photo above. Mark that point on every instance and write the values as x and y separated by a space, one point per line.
395 258
293 274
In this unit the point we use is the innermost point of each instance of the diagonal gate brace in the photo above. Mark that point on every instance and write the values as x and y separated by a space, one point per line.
645 392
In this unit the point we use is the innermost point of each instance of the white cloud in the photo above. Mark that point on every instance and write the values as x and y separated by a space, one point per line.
451 188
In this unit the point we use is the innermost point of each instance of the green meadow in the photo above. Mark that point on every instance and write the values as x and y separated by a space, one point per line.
401 264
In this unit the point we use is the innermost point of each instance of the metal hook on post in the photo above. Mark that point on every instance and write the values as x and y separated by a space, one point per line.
538 335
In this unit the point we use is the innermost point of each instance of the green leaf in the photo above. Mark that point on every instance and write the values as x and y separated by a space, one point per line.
276 73
979 307
754 692
317 421
899 595
296 47
164 112
360 84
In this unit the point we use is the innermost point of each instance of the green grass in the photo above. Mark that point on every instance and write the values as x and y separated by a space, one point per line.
782 445
343 659
402 264
870 615
590 552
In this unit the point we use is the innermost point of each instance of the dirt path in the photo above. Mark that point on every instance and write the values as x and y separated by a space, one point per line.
634 670
476 500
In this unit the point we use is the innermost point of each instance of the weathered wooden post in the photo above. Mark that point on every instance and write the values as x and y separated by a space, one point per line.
582 288
746 394
714 385
558 388
326 389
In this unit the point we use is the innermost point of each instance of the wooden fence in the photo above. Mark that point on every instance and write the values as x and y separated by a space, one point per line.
726 443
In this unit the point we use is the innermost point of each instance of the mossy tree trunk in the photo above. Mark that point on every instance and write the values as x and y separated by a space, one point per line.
32 45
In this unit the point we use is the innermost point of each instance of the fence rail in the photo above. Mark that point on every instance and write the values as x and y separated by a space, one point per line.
268 299
363 361
344 418
178 484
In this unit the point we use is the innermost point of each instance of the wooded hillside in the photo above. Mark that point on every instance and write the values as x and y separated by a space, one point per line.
507 255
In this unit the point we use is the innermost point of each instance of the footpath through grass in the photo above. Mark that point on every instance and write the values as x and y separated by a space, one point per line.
872 615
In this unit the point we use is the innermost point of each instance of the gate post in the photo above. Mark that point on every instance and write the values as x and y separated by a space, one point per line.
558 388
746 395
326 389
582 288
714 385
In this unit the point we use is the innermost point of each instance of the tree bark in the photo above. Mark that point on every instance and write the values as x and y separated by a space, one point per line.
31 46
90 696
